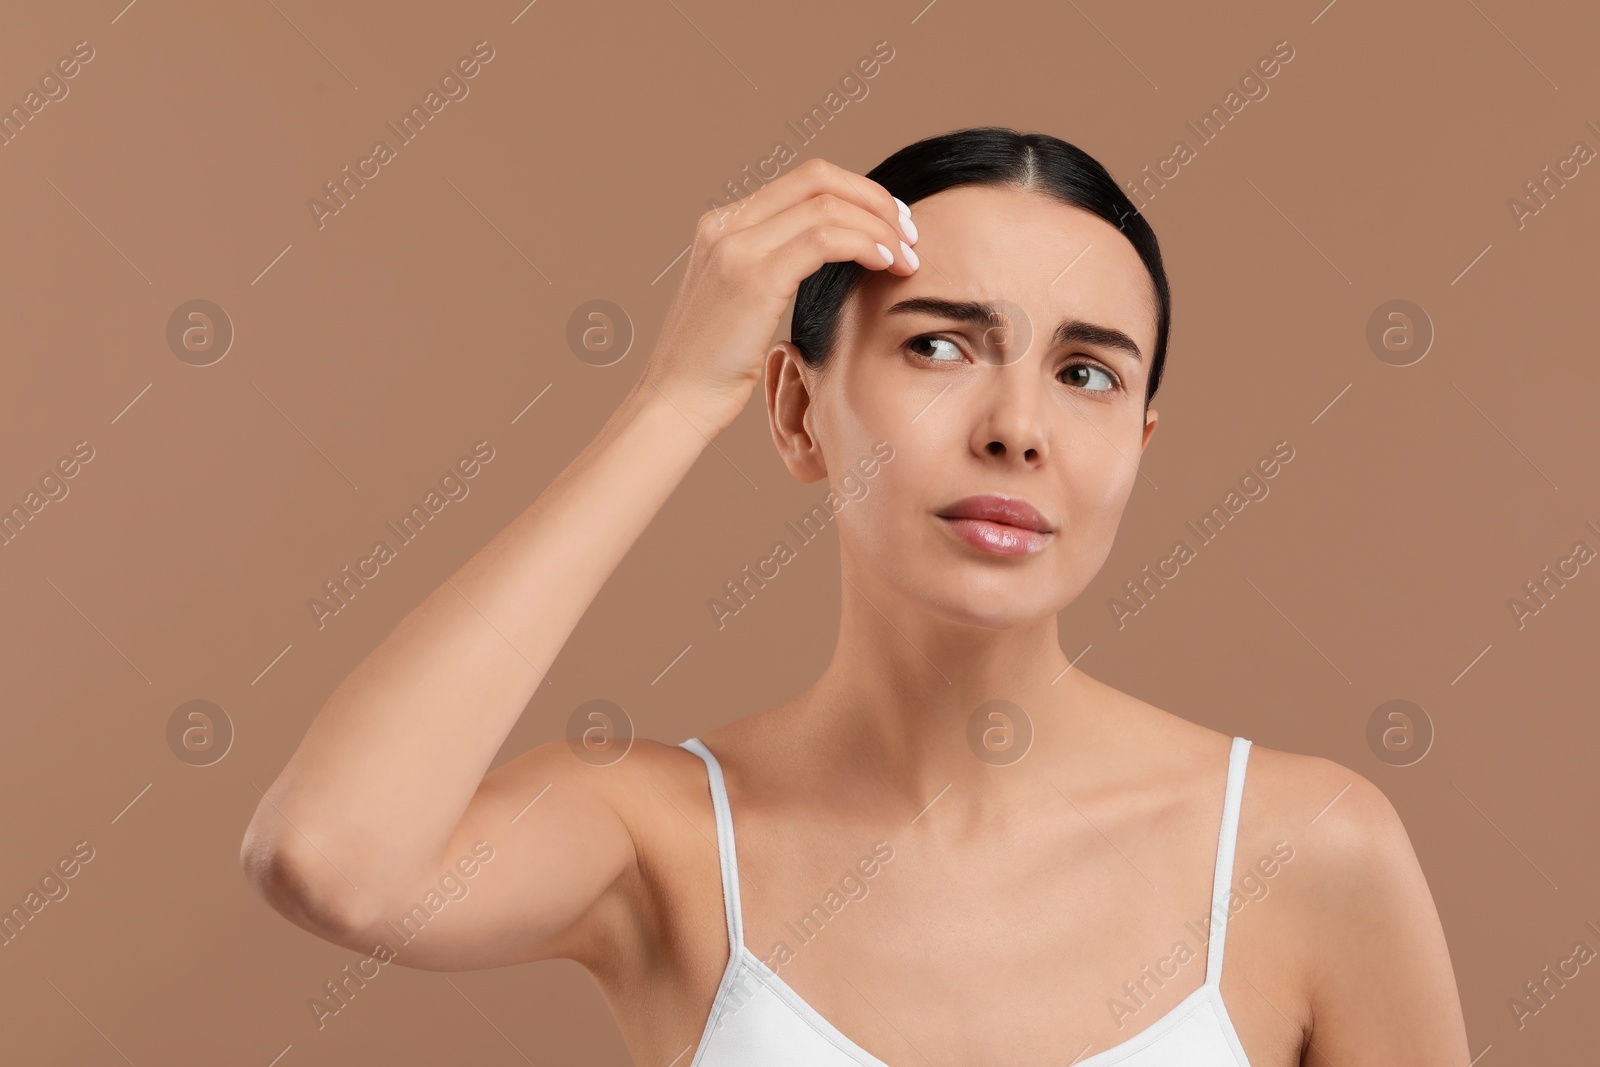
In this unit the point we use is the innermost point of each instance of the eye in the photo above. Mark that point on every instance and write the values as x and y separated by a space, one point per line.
953 354
1079 374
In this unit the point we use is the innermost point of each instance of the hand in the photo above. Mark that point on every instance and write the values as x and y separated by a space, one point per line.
746 263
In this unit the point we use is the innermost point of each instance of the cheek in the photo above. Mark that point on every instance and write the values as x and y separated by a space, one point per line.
1096 489
1103 487
862 423
874 395
887 527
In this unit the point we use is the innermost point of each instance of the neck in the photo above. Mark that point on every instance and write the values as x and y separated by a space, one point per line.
921 702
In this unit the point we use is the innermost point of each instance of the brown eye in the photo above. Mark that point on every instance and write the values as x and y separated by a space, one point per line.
1082 374
952 354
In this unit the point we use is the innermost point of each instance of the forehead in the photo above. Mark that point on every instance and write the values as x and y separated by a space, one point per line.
1049 258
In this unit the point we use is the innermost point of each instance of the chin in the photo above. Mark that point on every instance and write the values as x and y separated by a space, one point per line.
985 599
984 616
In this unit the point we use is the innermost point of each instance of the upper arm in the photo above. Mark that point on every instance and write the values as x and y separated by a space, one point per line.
536 869
1379 979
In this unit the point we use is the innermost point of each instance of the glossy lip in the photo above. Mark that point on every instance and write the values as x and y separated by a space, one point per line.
1006 510
998 525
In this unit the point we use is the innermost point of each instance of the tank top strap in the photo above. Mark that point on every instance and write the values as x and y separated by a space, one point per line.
725 846
1222 880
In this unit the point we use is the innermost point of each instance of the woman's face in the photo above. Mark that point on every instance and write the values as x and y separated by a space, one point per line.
974 409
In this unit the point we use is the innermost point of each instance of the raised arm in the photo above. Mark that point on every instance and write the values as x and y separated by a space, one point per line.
386 796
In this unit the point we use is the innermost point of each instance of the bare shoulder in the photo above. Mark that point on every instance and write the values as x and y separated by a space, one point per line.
1351 949
1356 903
1347 863
1347 831
1351 855
651 784
632 781
1321 792
1310 798
1287 794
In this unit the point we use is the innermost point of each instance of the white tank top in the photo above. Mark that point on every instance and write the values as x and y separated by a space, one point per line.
758 1021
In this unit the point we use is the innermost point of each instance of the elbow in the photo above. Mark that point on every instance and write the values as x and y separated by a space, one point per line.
297 886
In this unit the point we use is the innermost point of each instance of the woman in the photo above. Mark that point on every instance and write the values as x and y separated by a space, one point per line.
956 847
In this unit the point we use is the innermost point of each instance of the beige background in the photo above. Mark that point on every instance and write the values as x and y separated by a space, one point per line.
427 314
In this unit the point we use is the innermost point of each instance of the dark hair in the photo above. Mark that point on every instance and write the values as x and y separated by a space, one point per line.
986 155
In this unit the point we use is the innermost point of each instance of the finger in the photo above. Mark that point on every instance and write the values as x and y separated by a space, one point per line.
801 256
814 176
826 209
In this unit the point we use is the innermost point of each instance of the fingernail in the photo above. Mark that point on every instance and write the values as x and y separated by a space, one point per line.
887 255
908 227
911 257
905 208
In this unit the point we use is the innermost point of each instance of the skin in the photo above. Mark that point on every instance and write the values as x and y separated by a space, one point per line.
1019 898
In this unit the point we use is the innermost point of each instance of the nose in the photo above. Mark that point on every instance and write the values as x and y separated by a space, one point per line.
1010 425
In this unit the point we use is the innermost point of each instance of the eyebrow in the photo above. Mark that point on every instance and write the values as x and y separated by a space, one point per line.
1068 331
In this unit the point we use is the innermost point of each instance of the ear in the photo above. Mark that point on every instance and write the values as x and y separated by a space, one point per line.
1149 427
788 382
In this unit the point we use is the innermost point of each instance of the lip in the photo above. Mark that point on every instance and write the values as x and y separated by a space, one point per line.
1001 525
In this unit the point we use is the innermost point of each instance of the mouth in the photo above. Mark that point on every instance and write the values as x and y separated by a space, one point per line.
1006 526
